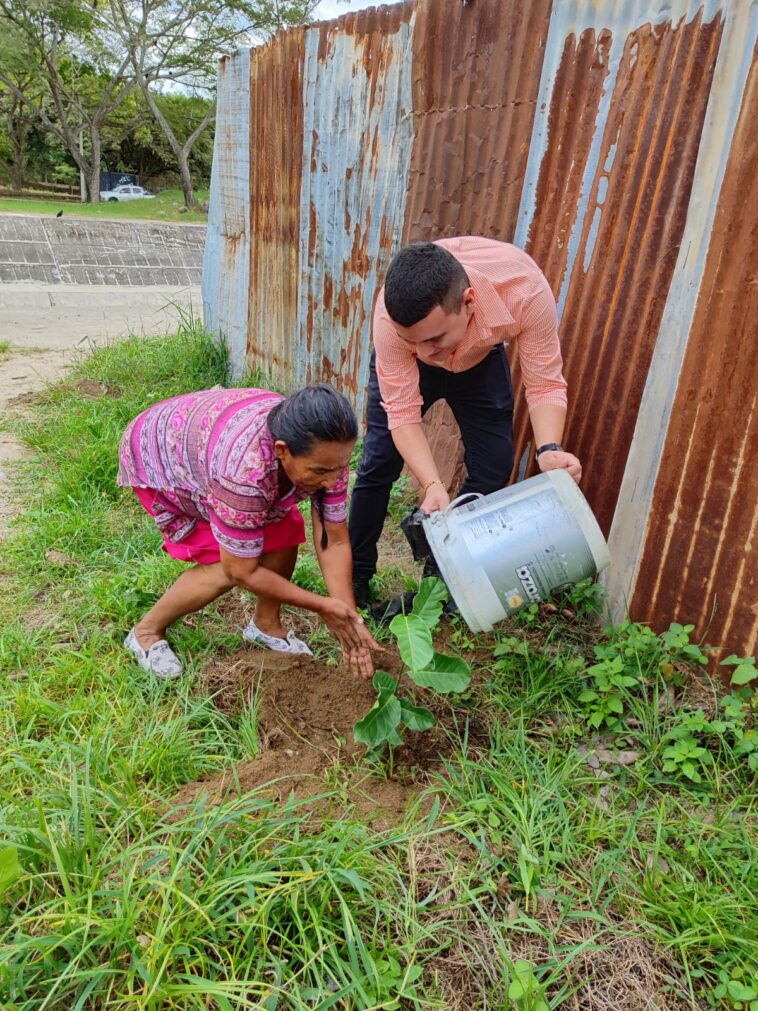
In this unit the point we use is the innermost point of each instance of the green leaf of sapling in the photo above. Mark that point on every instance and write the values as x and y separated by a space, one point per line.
379 722
427 604
445 674
395 738
384 682
738 991
416 717
516 991
414 640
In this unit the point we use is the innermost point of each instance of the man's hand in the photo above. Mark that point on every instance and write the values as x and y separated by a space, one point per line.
436 498
553 460
347 626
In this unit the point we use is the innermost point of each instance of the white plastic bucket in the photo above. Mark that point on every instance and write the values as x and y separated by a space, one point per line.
504 551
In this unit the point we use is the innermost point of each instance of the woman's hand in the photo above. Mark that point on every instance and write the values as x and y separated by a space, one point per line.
347 626
343 622
359 662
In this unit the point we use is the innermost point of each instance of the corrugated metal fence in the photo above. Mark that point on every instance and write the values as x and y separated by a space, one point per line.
614 140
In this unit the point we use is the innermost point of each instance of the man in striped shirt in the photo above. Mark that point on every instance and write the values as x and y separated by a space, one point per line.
439 328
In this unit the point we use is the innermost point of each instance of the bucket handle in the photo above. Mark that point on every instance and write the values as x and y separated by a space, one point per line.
460 499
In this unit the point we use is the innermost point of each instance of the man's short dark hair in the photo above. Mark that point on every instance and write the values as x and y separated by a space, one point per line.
420 277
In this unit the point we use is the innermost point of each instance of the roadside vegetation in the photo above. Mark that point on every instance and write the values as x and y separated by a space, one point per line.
588 841
87 85
165 206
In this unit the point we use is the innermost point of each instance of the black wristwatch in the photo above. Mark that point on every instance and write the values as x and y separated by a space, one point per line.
549 446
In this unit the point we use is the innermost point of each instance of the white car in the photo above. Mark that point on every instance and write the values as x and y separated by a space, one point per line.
125 192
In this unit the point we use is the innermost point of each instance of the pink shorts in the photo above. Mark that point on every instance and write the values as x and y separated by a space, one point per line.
203 548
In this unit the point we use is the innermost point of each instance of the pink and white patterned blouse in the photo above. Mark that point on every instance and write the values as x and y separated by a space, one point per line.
211 456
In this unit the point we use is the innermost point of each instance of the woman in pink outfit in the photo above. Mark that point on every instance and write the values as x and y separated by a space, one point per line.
221 472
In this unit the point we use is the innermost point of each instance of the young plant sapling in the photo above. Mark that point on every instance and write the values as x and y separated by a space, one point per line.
425 667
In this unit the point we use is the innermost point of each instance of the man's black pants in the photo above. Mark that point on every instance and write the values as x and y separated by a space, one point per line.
481 400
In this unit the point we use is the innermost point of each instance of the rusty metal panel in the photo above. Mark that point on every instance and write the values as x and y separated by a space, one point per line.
356 135
607 212
227 246
700 558
476 75
276 165
597 135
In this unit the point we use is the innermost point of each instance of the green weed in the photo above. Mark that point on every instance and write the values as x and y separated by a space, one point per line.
525 990
737 991
586 599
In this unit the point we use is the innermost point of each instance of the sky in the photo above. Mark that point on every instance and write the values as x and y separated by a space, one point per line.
334 8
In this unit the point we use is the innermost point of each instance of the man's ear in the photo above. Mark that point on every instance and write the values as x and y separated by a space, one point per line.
469 298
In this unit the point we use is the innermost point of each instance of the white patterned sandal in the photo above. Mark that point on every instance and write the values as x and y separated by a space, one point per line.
289 645
159 659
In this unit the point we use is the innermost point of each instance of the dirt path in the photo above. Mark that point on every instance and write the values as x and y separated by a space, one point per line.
48 327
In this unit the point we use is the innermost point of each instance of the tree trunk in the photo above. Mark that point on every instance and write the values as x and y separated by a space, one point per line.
93 175
17 173
93 185
18 165
182 159
181 153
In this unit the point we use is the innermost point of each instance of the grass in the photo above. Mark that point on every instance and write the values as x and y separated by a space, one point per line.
619 886
166 206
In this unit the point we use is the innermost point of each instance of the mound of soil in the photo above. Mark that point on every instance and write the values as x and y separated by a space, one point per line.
306 714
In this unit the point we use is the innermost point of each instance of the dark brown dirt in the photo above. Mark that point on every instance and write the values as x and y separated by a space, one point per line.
307 711
90 389
23 400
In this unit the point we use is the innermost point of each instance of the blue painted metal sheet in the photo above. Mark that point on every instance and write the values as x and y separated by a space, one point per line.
227 250
357 134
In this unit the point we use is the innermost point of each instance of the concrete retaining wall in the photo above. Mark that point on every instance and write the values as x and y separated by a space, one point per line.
71 250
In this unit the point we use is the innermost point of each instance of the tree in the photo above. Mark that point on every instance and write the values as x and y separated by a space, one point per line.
72 49
146 150
15 125
92 56
180 41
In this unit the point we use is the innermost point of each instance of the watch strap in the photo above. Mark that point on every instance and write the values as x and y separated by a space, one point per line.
549 446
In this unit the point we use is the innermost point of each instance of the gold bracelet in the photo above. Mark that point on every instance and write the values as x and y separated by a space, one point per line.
435 481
